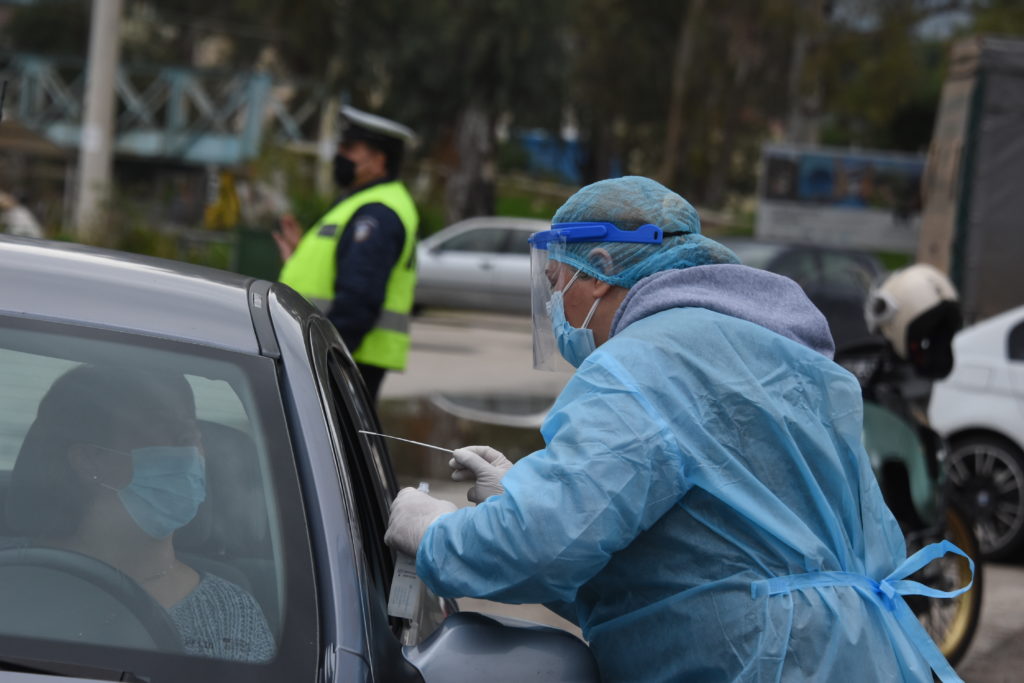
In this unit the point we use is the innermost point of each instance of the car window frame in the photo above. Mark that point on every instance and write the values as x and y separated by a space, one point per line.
352 469
1015 343
514 235
375 561
298 649
441 247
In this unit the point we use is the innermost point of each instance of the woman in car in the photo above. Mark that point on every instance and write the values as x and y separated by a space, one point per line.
111 468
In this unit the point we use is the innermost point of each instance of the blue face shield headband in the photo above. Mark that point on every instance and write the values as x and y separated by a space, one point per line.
596 232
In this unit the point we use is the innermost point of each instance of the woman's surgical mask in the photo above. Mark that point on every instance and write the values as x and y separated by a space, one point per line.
574 343
168 485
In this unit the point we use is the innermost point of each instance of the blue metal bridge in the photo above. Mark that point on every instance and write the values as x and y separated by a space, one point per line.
164 113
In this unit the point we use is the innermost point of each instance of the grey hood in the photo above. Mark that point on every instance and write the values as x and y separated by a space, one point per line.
766 299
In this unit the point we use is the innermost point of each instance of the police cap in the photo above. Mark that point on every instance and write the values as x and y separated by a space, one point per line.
376 130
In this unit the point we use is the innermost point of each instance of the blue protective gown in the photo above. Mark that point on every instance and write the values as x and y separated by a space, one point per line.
692 457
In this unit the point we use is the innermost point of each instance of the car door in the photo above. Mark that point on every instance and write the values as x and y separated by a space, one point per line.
369 480
461 269
511 269
1015 356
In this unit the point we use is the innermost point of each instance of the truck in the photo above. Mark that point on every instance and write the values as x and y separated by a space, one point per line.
972 222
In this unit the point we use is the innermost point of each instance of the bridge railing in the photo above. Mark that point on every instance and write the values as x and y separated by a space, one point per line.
188 115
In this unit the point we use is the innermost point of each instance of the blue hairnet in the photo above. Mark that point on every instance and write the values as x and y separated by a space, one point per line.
628 203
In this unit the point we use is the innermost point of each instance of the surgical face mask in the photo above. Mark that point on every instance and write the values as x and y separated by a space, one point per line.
344 171
574 343
168 485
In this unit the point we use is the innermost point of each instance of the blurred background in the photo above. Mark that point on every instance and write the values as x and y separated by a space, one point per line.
828 140
224 112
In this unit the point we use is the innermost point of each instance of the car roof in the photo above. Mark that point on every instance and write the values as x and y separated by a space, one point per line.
988 337
513 222
116 290
517 222
764 251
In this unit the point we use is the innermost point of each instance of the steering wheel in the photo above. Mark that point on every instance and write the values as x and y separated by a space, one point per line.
114 595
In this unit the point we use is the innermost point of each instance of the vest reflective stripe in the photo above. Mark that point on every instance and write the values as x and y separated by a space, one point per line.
396 322
311 272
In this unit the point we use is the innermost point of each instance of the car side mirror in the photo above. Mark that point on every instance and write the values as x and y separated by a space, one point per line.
469 646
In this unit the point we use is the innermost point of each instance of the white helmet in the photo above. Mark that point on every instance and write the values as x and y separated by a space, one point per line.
917 311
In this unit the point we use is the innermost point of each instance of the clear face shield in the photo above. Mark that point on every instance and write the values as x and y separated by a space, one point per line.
546 277
551 271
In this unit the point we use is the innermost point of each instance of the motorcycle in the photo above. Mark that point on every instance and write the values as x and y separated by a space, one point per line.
909 461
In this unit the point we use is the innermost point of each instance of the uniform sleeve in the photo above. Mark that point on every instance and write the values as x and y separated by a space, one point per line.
611 468
370 246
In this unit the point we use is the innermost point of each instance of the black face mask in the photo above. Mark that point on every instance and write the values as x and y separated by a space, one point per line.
344 171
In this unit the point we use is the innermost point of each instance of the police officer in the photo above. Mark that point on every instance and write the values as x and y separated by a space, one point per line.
357 262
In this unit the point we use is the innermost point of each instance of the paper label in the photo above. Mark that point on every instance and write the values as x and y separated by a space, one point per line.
404 600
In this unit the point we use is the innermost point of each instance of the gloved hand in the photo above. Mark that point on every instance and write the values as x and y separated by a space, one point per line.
484 464
412 512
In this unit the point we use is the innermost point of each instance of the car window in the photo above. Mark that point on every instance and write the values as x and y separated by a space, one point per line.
149 505
1015 342
517 242
489 240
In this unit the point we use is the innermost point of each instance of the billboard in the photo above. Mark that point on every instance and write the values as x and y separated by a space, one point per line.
860 199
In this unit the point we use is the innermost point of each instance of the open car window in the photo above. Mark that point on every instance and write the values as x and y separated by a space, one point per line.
150 518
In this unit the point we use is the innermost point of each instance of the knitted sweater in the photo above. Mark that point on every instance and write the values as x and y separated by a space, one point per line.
220 619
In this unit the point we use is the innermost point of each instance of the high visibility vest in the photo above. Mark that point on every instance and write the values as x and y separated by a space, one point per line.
311 272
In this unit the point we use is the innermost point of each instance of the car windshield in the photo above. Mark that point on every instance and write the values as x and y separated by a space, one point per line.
150 513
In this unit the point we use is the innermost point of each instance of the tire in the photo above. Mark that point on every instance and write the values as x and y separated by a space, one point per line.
986 474
952 622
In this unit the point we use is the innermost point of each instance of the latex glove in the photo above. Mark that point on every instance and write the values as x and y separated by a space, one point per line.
412 512
484 464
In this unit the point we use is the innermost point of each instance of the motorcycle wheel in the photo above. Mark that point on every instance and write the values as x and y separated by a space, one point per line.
952 622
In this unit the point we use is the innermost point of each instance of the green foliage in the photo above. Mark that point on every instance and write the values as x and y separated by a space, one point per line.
1000 18
893 260
308 206
882 86
516 202
425 61
143 240
51 27
606 66
432 215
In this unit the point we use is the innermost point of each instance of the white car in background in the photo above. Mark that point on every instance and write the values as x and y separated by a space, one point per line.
481 263
979 409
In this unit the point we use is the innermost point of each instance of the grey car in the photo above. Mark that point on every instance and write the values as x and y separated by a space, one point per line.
296 499
479 263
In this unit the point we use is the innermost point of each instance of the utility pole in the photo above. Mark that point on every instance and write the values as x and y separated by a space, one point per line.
95 156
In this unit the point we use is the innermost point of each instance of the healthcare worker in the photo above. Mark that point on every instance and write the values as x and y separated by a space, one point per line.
703 507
